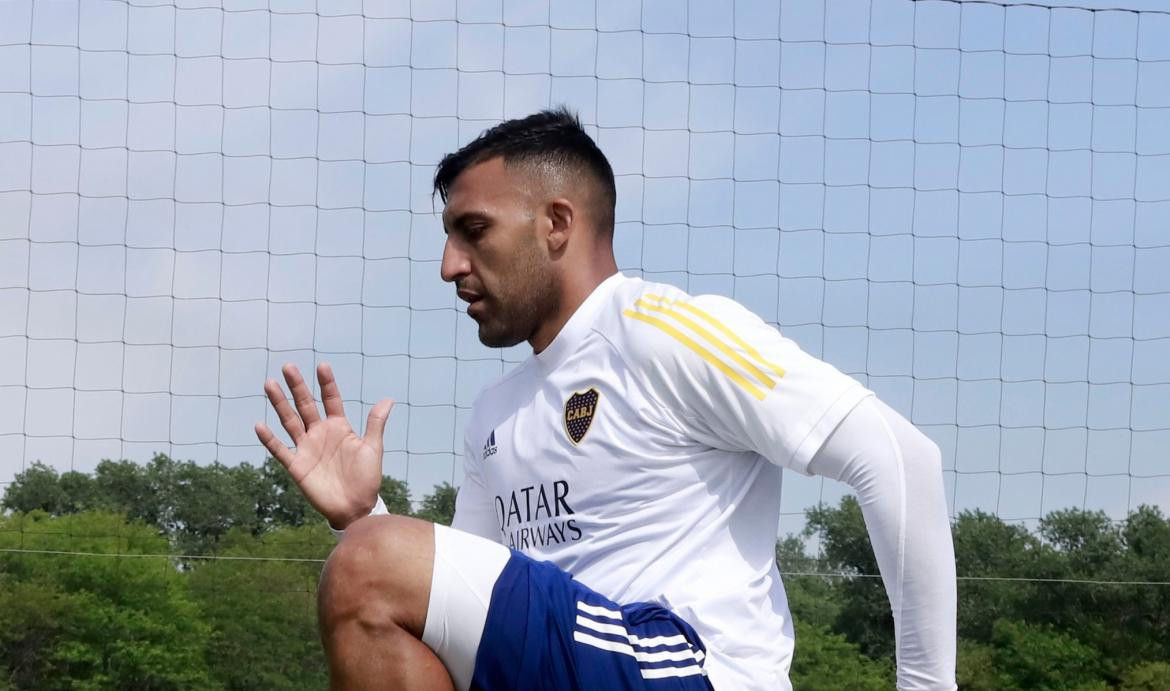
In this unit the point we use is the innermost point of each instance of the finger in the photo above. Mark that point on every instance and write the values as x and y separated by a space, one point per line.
376 423
288 417
301 394
275 447
330 394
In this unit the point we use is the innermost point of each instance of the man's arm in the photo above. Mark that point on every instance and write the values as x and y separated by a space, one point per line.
739 384
896 472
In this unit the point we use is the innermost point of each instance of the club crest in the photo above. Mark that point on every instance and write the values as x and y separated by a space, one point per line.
579 411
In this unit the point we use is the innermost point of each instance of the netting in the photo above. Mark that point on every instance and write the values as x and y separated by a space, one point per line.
973 204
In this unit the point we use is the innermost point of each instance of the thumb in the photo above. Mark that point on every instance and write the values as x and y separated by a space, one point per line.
376 423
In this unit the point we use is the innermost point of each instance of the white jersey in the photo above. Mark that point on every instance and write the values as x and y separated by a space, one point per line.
641 452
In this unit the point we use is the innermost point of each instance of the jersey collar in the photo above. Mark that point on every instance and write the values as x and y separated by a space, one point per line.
578 326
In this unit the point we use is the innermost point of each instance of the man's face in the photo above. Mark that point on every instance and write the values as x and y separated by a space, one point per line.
496 252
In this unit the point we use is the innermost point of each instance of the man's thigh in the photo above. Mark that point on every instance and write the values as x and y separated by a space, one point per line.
500 621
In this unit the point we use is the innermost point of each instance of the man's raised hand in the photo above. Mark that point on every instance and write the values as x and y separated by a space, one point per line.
338 471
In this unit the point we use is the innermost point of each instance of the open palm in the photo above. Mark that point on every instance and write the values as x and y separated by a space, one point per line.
338 471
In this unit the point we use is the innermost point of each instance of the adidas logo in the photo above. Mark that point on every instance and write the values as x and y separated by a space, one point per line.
489 447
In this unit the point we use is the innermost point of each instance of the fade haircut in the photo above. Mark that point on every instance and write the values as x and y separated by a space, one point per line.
550 139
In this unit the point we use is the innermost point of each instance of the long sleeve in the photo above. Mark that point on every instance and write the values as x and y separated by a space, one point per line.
895 470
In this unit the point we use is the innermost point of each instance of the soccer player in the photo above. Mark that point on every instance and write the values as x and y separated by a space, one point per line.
617 520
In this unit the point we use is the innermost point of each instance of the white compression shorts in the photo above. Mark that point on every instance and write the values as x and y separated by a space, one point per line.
466 569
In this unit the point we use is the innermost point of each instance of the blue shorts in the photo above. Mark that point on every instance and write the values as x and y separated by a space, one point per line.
545 630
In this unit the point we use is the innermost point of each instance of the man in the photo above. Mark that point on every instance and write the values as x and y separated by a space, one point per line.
639 449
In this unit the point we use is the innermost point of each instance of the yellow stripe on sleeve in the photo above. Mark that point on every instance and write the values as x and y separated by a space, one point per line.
736 357
699 350
777 369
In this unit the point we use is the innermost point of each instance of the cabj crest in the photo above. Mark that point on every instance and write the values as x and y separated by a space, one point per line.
579 412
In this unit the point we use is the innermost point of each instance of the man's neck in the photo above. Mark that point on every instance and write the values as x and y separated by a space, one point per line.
574 293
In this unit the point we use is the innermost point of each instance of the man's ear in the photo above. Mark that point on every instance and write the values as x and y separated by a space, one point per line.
560 215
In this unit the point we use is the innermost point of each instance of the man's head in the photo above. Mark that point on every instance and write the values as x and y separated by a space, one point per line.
529 221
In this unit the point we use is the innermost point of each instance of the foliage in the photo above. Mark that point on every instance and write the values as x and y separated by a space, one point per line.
1037 657
1033 613
36 489
985 546
263 613
396 495
244 620
96 622
1036 610
1147 676
194 506
439 506
864 617
811 598
826 661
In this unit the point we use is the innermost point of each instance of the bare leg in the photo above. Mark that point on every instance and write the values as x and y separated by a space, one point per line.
372 607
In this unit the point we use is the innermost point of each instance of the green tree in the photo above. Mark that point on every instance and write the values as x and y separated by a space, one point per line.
1147 676
194 505
260 602
123 486
865 616
1046 616
1145 613
826 661
1126 623
1031 657
279 500
812 599
439 506
80 493
396 496
36 488
34 616
202 503
1027 657
985 546
96 622
976 669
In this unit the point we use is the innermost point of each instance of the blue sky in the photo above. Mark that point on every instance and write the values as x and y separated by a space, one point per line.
973 206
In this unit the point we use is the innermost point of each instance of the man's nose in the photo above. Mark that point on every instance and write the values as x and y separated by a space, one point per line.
456 262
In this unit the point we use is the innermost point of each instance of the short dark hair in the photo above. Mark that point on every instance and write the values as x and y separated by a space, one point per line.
553 137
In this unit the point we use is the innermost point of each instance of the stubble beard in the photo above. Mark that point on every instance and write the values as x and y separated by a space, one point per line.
531 296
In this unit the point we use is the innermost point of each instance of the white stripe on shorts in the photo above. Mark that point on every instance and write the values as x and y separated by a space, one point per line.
650 642
619 647
647 673
613 630
614 646
636 647
662 672
599 611
657 641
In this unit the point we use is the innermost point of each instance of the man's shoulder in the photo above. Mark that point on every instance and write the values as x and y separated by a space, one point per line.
621 324
647 297
646 316
661 330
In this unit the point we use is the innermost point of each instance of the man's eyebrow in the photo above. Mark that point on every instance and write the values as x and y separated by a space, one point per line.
463 218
